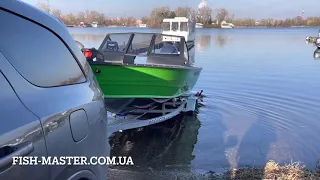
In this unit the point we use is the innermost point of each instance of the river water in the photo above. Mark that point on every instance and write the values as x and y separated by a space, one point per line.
262 103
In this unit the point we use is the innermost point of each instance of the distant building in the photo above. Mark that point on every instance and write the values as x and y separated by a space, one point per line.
257 23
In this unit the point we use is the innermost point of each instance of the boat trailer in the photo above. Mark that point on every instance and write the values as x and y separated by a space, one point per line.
168 109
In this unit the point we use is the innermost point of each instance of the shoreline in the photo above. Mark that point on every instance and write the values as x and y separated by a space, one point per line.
270 171
237 27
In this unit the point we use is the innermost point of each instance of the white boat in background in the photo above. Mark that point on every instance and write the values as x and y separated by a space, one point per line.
95 24
180 26
199 25
142 25
226 25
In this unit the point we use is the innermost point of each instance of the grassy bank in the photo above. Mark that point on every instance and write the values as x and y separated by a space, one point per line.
271 170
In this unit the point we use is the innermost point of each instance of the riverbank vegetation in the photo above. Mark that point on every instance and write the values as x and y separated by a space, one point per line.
271 170
203 15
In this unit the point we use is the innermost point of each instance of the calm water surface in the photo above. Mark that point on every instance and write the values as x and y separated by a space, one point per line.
263 102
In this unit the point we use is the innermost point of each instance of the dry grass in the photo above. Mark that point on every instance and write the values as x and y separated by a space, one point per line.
272 170
292 171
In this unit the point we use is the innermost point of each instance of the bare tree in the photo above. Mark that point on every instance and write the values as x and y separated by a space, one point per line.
57 13
172 14
183 11
222 14
230 19
204 15
145 19
157 16
70 19
43 6
81 17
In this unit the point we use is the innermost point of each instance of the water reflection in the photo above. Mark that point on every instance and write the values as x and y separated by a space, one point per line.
316 54
165 145
221 40
203 42
256 143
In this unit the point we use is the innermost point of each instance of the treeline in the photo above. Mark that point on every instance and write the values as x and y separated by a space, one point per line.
289 22
88 16
203 15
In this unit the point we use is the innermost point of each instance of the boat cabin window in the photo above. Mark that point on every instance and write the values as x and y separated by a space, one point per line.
175 26
184 26
165 45
166 26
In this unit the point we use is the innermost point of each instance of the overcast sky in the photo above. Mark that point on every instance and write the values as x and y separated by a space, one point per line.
241 8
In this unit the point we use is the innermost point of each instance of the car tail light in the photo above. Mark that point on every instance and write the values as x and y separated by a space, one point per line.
87 53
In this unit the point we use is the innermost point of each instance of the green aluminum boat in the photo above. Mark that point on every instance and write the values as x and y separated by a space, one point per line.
144 65
134 68
139 81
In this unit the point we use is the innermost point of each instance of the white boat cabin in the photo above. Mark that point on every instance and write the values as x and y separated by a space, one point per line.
226 25
179 26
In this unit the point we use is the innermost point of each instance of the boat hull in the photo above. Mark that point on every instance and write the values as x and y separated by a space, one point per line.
145 81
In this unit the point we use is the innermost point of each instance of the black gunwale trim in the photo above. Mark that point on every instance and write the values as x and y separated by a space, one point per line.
145 65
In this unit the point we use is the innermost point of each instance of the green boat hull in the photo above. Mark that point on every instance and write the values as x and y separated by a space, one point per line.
134 81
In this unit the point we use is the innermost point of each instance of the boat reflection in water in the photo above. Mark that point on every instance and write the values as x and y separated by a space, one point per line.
221 40
203 42
316 54
167 145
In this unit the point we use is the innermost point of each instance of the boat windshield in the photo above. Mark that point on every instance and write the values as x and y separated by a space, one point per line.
175 26
166 26
140 44
183 26
116 42
144 48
